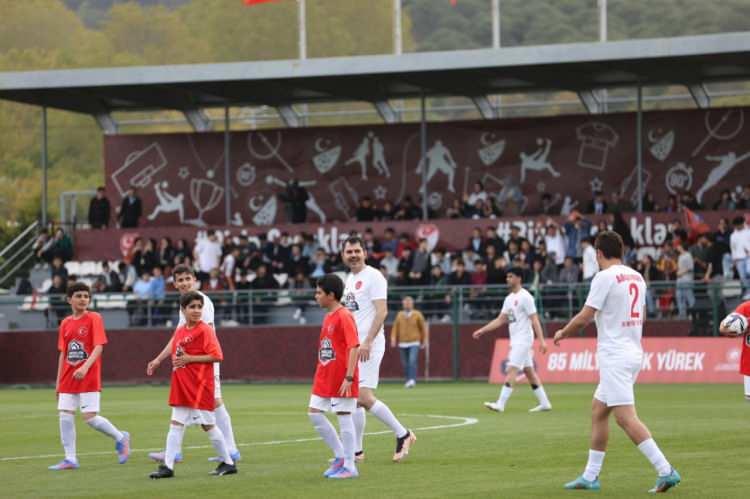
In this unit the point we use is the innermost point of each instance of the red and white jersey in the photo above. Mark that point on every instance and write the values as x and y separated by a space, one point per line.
193 385
519 307
338 335
619 296
76 340
359 292
744 309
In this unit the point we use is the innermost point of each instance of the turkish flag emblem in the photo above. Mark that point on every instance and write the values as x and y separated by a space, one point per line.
430 232
358 285
127 241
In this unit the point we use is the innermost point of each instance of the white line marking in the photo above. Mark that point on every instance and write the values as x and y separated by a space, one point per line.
461 421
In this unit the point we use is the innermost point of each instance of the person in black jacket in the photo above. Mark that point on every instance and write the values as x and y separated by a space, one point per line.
99 210
130 210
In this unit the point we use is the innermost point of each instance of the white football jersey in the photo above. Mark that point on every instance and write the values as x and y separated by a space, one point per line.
619 296
519 307
359 292
208 312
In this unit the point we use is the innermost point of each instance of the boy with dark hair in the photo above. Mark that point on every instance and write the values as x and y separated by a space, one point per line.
79 380
336 382
191 392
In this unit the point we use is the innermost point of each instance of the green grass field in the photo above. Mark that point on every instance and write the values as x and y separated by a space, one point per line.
462 449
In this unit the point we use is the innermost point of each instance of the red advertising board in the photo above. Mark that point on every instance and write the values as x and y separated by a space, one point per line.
665 360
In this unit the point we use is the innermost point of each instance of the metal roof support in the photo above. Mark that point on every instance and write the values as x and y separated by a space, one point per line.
289 116
590 101
484 106
700 95
107 123
386 111
198 119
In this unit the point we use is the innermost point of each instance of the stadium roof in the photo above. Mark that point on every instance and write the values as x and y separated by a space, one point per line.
580 67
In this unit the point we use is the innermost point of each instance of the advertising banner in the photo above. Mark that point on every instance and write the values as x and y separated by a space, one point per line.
665 360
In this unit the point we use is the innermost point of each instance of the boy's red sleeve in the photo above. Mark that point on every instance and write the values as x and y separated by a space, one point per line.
100 337
744 309
60 337
350 330
211 343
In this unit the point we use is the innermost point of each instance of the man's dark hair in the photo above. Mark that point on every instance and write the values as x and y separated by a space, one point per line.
100 188
609 243
331 284
353 240
190 297
182 269
516 271
76 287
738 221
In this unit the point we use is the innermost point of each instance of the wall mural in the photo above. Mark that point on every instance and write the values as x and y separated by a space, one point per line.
180 177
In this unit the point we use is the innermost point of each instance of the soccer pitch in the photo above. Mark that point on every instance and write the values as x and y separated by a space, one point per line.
463 450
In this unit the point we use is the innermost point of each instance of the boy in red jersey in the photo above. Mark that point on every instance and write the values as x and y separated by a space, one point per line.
336 383
191 393
744 310
79 377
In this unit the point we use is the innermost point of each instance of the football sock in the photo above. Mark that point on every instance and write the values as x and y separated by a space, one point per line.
174 444
327 432
224 422
594 465
384 414
655 456
359 416
103 425
504 395
346 426
68 435
220 445
541 396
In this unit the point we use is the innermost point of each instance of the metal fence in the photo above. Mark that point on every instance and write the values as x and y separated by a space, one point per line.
705 305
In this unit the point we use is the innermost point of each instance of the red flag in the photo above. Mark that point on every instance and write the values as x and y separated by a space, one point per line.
256 2
695 224
454 2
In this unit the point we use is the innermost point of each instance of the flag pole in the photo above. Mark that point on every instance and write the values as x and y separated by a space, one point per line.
302 29
397 41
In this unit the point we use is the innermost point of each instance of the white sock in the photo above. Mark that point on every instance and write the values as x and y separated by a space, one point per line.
655 456
327 432
346 427
103 425
594 465
220 445
224 422
359 416
174 444
68 435
504 396
541 396
383 413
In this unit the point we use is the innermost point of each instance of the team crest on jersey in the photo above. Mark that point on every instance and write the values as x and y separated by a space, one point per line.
358 285
76 353
326 353
83 331
350 302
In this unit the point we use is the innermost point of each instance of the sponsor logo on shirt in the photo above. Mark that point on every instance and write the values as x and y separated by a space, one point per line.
76 353
326 352
350 302
511 316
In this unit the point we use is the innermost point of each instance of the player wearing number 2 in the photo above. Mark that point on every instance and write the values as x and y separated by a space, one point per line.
616 302
744 310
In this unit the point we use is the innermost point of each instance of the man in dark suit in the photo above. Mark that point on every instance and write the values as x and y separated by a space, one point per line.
99 210
130 210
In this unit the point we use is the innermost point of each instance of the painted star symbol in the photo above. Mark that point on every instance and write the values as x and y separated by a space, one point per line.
184 172
596 184
380 192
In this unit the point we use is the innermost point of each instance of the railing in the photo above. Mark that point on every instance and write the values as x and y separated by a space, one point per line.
17 253
444 304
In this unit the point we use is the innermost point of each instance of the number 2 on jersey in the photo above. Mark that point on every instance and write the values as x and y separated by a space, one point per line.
633 291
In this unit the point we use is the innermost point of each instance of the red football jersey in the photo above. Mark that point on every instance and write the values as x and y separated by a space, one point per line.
744 309
76 340
338 335
193 385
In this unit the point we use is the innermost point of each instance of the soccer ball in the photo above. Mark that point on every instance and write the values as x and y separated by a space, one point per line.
737 323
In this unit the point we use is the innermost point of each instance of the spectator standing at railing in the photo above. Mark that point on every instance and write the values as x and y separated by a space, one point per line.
182 250
130 210
685 280
208 255
409 333
263 282
576 230
110 278
420 264
740 248
230 265
555 243
647 268
721 243
589 262
99 210
165 253
127 275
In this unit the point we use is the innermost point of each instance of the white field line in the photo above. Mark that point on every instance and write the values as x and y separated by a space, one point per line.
461 421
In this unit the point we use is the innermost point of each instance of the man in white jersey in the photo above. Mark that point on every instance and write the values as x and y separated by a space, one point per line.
365 295
185 281
617 302
519 312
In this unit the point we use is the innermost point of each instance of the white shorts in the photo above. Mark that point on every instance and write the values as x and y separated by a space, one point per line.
747 387
369 372
87 401
333 404
616 384
189 416
521 356
217 380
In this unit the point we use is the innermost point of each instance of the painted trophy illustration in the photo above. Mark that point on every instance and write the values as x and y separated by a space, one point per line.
205 195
